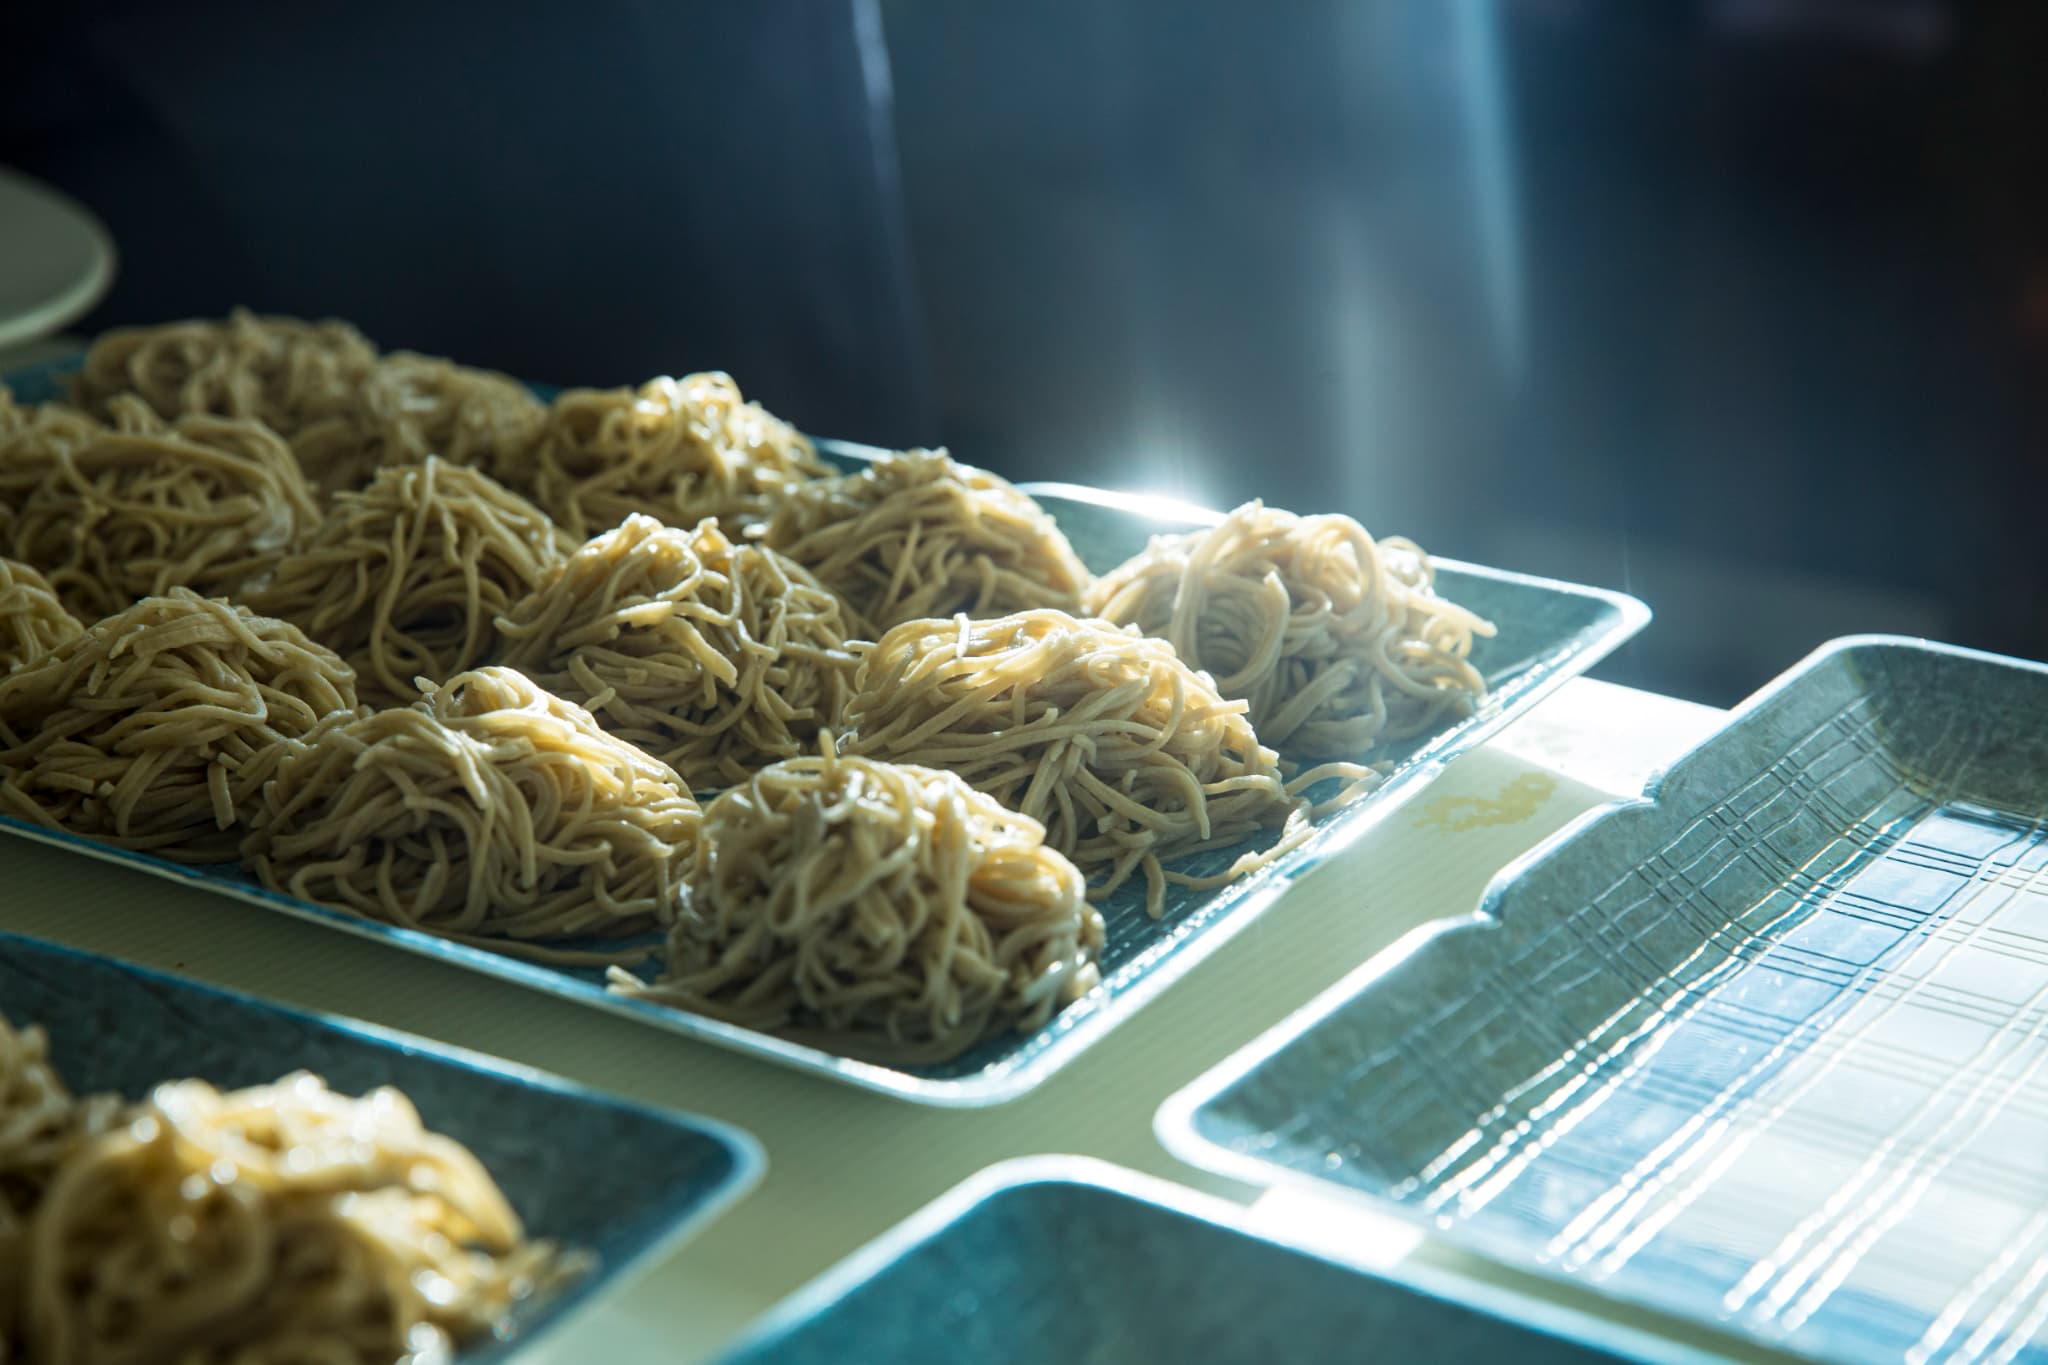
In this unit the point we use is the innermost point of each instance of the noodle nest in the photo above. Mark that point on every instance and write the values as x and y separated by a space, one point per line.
714 657
134 510
884 901
489 809
679 450
1127 756
33 623
412 406
279 1223
281 371
1336 641
405 577
156 728
917 535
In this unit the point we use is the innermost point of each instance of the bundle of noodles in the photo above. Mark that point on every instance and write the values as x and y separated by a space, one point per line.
917 535
489 810
714 657
412 406
33 623
406 576
1126 755
281 371
41 1123
157 727
1337 642
679 450
279 1223
890 902
206 503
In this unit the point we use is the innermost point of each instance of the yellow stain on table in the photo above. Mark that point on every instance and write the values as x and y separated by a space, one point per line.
1519 800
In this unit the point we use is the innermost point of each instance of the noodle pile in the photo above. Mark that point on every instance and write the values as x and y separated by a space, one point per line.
917 535
679 450
283 372
270 1226
206 503
406 577
1337 642
322 387
157 727
890 902
1127 756
412 406
33 623
489 808
714 657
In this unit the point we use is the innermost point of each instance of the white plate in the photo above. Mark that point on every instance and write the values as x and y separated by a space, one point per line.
56 259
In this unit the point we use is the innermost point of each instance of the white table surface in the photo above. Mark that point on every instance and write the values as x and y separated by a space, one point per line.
844 1165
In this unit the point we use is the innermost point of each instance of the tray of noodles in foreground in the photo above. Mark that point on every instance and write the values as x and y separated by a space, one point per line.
1152 930
347 1192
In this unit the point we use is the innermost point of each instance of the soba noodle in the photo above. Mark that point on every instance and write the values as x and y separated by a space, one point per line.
206 503
917 535
488 810
41 1123
679 450
281 371
157 727
411 406
406 576
272 1226
1337 642
891 906
714 657
1126 755
33 623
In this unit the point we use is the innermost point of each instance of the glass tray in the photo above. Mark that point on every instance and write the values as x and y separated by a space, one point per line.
1767 1048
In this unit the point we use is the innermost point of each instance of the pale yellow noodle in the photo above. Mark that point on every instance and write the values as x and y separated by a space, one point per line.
206 503
411 406
678 450
892 908
41 1124
344 410
406 577
917 535
280 371
1337 642
281 1223
156 728
1127 756
489 810
714 657
33 623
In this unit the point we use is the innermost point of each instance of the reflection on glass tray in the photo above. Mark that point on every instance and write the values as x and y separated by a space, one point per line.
118 1028
1548 632
1769 1048
1066 1259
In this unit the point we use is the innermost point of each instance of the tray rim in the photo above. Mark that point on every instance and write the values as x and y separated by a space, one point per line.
873 1259
1175 1123
1242 903
747 1157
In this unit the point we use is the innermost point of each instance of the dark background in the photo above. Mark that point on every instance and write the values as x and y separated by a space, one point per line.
1741 305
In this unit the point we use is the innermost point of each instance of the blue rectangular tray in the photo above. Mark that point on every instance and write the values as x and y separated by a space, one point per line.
118 1028
1767 1048
1073 1260
1548 632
